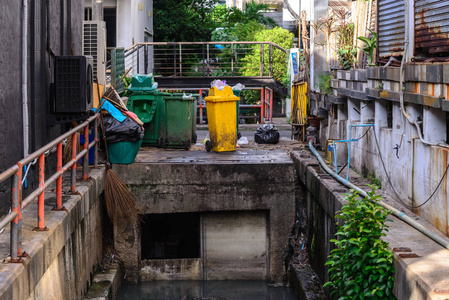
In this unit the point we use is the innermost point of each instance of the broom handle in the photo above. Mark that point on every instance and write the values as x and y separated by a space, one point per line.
104 138
102 123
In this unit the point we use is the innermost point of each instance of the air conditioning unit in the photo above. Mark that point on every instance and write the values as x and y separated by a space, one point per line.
94 44
73 84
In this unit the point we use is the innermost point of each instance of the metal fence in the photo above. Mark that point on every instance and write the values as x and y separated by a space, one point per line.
14 217
204 59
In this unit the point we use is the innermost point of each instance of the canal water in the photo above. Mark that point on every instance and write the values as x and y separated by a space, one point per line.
210 290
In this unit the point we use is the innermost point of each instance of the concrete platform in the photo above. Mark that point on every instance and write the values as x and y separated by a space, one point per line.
221 187
241 156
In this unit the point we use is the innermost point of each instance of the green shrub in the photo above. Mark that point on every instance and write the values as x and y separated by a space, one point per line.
361 265
278 35
324 83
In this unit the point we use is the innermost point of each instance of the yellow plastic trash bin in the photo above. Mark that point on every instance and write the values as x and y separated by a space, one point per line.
221 116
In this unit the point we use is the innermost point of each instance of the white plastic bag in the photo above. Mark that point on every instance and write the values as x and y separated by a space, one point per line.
238 87
219 84
243 141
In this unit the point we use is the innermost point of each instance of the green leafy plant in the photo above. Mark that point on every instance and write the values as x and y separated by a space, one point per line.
324 83
229 17
346 56
251 61
370 45
127 83
374 180
361 265
346 52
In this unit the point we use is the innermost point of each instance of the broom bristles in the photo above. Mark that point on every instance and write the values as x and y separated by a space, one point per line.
67 153
120 201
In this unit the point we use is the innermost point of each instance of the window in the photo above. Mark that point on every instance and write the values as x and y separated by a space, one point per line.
88 14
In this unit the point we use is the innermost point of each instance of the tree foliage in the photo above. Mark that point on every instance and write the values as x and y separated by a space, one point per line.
361 265
229 17
280 36
183 20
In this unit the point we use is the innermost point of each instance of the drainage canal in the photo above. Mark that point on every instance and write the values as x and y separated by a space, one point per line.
210 290
212 227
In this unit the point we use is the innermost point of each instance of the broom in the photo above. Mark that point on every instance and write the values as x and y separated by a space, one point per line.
67 154
120 201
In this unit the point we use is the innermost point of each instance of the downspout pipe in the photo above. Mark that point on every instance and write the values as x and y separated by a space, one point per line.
402 216
401 101
25 117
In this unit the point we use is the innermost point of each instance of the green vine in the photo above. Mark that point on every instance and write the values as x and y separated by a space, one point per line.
361 265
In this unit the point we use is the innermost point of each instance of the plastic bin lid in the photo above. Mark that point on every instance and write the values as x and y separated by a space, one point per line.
180 96
143 82
216 95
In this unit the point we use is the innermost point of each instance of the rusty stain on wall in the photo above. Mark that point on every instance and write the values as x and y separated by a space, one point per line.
431 29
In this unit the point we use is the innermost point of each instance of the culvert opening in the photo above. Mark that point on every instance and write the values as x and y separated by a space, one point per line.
170 236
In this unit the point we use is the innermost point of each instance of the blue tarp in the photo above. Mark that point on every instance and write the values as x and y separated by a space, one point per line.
112 110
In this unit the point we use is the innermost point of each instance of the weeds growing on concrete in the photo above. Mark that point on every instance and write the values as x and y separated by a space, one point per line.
361 265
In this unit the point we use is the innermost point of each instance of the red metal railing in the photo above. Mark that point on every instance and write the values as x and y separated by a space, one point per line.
18 205
265 106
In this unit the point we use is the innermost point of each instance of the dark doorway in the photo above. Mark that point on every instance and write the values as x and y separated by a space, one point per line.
110 17
170 236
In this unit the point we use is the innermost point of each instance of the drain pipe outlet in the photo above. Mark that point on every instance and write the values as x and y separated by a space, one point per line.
26 146
440 240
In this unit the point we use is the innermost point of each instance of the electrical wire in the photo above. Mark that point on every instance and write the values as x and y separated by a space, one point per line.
48 152
364 134
394 190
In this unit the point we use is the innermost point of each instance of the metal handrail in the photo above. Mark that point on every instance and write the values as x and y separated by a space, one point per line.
199 59
14 217
207 43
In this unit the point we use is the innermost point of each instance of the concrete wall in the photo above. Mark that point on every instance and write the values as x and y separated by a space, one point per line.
422 277
168 187
64 26
10 109
235 246
62 260
414 168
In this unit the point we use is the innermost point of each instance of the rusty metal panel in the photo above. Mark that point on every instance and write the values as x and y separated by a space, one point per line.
391 27
431 26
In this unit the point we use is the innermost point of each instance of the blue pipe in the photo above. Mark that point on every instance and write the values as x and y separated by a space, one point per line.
349 147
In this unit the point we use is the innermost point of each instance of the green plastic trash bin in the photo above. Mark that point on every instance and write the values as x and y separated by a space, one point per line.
150 108
143 97
123 152
237 105
180 113
195 114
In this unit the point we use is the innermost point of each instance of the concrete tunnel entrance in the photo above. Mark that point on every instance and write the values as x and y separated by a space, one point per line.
169 236
208 216
206 246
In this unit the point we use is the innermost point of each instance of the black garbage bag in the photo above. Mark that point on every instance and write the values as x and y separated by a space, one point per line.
126 131
267 134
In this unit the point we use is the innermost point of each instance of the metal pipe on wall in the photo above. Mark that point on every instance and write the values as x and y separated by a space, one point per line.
402 216
25 121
